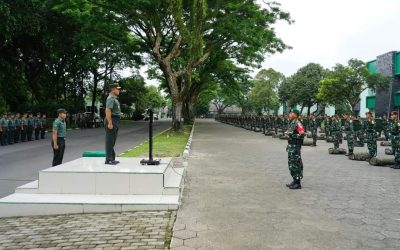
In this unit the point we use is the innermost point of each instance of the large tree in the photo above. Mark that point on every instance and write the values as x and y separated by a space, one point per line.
305 84
180 36
263 95
344 85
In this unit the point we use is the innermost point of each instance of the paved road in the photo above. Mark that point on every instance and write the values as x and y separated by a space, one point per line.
235 197
20 163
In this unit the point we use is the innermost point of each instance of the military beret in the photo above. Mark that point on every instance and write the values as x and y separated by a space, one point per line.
368 113
115 85
61 111
393 113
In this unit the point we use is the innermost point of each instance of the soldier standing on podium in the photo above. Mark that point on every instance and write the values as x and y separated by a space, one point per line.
111 123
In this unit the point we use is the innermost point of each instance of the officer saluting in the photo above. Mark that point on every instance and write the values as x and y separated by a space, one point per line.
111 123
59 133
295 141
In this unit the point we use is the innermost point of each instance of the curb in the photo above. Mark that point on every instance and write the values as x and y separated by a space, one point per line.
186 151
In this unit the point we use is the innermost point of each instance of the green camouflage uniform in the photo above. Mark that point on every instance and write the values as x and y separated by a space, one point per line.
370 129
394 128
336 133
313 123
296 136
349 130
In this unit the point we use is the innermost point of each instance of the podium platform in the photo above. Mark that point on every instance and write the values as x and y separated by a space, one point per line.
87 185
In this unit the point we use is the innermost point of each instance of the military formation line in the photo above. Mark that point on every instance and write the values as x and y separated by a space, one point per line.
356 131
15 128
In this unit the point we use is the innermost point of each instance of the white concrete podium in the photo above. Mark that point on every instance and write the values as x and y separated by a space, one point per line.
87 185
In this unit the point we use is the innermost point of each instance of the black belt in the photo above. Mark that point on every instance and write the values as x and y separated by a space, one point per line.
116 116
60 138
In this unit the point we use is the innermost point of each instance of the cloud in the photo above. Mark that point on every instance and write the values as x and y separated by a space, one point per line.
333 31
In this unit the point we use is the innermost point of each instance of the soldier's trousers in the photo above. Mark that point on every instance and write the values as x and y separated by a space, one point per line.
23 135
4 137
111 138
371 144
350 142
58 154
336 139
29 133
10 135
1 138
42 133
17 135
360 136
314 136
397 149
37 133
394 142
294 161
386 133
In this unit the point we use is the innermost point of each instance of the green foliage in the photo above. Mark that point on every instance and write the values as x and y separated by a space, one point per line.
263 96
302 87
344 85
167 144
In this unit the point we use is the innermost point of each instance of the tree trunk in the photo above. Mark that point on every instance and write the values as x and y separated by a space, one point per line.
177 115
308 110
301 110
187 113
95 83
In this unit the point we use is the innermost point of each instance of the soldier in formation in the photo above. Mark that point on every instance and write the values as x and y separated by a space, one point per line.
354 128
15 129
370 129
394 129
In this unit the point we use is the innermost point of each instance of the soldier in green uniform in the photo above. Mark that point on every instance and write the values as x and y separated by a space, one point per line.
349 130
336 131
386 128
36 125
370 128
24 123
113 114
58 140
29 127
295 141
4 130
360 133
313 124
394 129
11 129
17 133
43 125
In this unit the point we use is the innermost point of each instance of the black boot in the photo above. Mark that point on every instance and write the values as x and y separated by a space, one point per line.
290 184
396 166
350 153
296 185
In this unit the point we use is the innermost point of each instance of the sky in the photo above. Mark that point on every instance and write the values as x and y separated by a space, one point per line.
333 31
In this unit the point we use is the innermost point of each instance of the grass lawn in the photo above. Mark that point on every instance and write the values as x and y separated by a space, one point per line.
166 144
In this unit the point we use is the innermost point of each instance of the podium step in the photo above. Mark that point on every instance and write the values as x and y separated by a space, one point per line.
20 204
174 181
92 176
87 185
29 188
